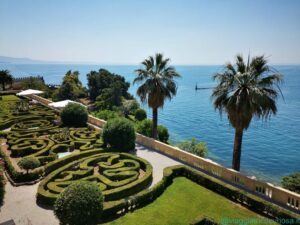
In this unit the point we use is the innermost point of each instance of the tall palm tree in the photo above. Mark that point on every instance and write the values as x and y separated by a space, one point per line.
5 78
158 84
244 91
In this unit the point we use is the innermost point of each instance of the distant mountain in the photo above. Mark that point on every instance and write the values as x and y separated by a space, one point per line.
5 59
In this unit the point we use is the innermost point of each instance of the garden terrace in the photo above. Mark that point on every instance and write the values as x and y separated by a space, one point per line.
124 179
32 130
118 175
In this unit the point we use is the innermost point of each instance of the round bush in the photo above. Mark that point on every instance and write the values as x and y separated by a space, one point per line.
80 203
145 128
74 115
140 114
29 163
119 133
292 182
163 133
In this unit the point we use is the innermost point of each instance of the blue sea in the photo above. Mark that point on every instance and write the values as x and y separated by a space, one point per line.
271 149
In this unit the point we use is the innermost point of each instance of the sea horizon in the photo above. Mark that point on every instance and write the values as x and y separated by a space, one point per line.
262 140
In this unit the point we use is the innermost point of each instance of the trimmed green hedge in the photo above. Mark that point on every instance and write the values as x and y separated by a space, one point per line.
204 221
147 196
19 176
119 176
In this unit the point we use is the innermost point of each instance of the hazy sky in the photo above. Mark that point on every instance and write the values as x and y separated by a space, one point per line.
127 31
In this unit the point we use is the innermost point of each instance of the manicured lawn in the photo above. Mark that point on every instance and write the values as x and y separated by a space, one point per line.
181 203
9 98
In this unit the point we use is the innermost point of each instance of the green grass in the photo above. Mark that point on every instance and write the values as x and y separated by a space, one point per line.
181 203
9 98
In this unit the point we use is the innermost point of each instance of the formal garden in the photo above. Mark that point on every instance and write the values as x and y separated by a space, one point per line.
92 176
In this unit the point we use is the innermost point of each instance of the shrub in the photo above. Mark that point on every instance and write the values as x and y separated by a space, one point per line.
194 146
29 163
80 203
129 107
163 133
292 182
140 114
204 221
106 114
119 133
145 128
74 115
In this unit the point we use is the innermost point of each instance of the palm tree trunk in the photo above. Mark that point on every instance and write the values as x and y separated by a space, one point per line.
237 149
154 123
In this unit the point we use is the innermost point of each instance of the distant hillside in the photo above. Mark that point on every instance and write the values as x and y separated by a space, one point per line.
13 60
5 59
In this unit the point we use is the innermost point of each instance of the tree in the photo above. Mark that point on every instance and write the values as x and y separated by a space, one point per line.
144 127
119 133
80 203
37 84
5 78
129 107
194 146
244 91
74 115
292 182
29 163
99 82
158 84
109 98
71 87
140 114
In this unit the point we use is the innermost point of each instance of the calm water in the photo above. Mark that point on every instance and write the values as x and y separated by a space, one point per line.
270 149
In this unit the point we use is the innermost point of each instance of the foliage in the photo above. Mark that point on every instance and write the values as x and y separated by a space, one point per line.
158 84
119 133
128 173
109 97
129 107
244 91
16 175
145 128
140 114
5 78
106 114
23 106
163 133
37 84
194 146
292 182
62 136
80 203
183 206
103 79
29 163
203 221
74 115
71 87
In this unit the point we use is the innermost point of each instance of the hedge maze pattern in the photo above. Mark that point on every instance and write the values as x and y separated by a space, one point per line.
118 175
33 132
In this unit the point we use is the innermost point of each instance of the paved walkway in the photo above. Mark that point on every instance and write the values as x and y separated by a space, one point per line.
20 202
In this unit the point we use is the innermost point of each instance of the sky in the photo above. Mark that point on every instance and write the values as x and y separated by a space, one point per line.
193 32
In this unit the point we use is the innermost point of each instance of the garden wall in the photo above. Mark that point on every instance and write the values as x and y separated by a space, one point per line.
268 191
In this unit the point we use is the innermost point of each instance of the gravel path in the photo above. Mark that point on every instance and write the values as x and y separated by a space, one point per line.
20 205
20 202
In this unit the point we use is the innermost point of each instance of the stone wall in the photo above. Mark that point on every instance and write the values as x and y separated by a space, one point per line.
268 191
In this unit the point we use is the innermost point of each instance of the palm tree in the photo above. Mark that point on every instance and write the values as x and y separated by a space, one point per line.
5 78
158 84
245 91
